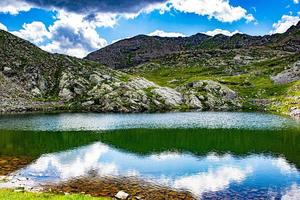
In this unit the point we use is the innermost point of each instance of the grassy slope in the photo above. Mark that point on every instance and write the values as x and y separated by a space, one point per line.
11 195
251 81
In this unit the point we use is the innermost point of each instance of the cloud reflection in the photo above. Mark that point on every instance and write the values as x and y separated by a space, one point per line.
197 174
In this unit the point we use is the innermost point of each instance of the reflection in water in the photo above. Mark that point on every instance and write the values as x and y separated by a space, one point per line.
250 154
203 174
97 121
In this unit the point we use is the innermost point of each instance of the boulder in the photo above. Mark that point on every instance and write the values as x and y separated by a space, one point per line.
122 195
140 83
88 103
288 75
295 114
65 94
95 79
169 96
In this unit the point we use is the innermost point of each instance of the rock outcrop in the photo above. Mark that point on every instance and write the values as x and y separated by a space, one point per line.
210 95
31 79
288 75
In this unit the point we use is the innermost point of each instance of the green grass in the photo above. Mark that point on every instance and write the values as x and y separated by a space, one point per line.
11 195
251 81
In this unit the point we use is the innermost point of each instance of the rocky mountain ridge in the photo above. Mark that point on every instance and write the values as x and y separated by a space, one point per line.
141 49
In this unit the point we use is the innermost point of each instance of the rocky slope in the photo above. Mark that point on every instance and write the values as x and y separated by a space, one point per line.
31 79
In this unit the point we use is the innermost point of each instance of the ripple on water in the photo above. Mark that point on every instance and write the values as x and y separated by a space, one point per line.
97 121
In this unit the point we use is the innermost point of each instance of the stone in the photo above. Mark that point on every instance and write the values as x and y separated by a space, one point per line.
288 75
122 195
295 114
95 79
195 103
170 96
140 83
7 71
36 92
106 77
88 103
65 94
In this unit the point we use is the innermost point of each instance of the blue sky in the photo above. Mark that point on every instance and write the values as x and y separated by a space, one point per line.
79 28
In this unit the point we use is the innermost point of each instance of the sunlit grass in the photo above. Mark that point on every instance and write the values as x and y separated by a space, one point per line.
11 195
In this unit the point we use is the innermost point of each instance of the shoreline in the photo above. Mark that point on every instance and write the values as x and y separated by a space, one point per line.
294 114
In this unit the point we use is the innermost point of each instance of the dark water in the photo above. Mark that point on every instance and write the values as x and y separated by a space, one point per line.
237 155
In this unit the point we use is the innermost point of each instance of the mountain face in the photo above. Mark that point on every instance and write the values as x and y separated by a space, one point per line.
262 70
142 49
32 79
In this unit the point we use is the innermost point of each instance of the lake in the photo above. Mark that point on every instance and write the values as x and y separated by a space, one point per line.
209 154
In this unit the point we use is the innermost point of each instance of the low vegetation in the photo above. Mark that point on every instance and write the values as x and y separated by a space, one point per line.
12 195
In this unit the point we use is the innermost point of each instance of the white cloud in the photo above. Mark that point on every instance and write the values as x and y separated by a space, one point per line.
293 193
296 1
3 27
285 23
71 34
13 7
76 35
212 181
161 33
35 32
218 9
221 31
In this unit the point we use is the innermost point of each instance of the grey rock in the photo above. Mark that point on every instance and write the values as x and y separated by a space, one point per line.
295 114
140 83
88 103
95 79
170 96
288 75
66 94
122 195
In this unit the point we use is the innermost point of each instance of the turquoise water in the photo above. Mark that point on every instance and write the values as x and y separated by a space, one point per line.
212 155
94 121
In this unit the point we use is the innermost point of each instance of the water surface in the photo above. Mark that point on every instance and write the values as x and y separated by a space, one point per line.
96 121
247 155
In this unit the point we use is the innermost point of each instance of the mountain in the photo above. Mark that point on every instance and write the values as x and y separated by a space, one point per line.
141 49
32 79
262 70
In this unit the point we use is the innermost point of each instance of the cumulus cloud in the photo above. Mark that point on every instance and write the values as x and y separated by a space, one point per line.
161 33
74 33
35 32
218 9
221 31
285 23
71 34
3 27
221 10
13 7
95 6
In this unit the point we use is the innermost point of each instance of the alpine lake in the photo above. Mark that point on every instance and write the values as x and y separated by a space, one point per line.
195 155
